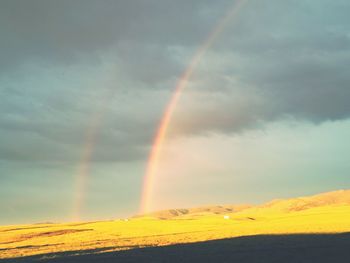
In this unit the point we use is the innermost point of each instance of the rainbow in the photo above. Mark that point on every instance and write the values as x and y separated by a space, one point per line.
154 156
84 165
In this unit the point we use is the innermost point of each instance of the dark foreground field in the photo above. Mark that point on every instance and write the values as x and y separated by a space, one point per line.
264 248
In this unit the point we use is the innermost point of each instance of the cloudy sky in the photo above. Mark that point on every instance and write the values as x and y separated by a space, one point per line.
84 83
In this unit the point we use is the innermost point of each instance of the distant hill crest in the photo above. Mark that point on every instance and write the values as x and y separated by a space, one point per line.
339 197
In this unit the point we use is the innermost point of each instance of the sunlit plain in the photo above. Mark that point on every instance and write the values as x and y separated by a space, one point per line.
325 213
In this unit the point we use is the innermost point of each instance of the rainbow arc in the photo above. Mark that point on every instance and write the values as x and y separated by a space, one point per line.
159 139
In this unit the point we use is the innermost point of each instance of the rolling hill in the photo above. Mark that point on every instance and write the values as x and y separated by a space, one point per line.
340 197
323 213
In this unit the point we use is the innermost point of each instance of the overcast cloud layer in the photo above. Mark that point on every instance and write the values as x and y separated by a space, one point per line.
69 67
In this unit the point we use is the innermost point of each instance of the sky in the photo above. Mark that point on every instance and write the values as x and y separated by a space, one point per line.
84 83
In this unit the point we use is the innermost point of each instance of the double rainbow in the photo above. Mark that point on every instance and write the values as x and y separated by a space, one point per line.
154 156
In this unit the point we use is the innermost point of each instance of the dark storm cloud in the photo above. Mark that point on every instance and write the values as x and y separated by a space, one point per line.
281 60
53 123
66 31
278 59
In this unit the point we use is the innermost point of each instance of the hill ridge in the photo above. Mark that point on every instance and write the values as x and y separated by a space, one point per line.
336 197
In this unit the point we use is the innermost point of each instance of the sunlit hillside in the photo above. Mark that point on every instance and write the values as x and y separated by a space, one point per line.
324 213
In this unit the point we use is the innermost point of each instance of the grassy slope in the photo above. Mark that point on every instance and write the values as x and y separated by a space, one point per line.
327 213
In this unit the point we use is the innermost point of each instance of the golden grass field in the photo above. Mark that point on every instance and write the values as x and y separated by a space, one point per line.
324 213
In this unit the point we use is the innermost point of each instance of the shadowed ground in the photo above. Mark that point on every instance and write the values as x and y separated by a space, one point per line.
262 248
264 233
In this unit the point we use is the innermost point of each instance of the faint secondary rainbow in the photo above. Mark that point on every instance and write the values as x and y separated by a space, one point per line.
84 165
153 160
90 139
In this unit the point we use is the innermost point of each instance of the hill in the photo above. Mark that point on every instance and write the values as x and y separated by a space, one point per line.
323 213
196 212
340 197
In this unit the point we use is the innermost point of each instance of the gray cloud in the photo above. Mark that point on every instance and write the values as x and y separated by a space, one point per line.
63 61
52 123
71 31
280 60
